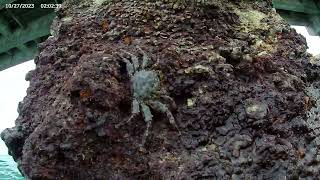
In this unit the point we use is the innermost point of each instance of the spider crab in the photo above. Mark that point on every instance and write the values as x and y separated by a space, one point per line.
146 91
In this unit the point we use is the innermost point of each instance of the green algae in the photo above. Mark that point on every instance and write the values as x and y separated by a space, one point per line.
251 20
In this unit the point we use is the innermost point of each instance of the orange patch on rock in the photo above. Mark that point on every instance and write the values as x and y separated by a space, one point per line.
105 25
127 40
84 94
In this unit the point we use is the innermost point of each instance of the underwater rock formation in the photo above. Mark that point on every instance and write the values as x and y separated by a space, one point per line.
245 95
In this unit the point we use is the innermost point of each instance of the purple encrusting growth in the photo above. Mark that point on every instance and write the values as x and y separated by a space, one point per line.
238 81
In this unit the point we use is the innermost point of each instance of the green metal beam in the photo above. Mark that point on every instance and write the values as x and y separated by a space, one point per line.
17 57
34 30
15 18
4 2
295 18
21 30
315 20
300 12
4 27
305 6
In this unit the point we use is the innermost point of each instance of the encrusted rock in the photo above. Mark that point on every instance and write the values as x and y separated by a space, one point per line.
256 109
244 95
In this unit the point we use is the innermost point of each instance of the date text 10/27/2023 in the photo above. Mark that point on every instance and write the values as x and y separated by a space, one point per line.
31 6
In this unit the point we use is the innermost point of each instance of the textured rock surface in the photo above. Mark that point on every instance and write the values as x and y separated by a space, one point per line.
247 98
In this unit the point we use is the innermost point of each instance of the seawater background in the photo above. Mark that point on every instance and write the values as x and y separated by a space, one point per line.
8 169
13 89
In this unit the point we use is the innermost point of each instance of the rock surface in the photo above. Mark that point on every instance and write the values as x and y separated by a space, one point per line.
246 95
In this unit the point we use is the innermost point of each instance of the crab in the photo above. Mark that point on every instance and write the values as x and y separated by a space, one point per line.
146 91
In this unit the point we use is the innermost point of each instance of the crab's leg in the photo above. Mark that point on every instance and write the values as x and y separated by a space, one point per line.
169 100
157 105
135 107
145 58
135 111
129 66
148 119
134 60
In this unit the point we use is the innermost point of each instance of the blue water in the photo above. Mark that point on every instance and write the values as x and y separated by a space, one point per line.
8 169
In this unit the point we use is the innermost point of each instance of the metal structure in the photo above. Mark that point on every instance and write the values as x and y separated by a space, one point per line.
21 29
300 12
